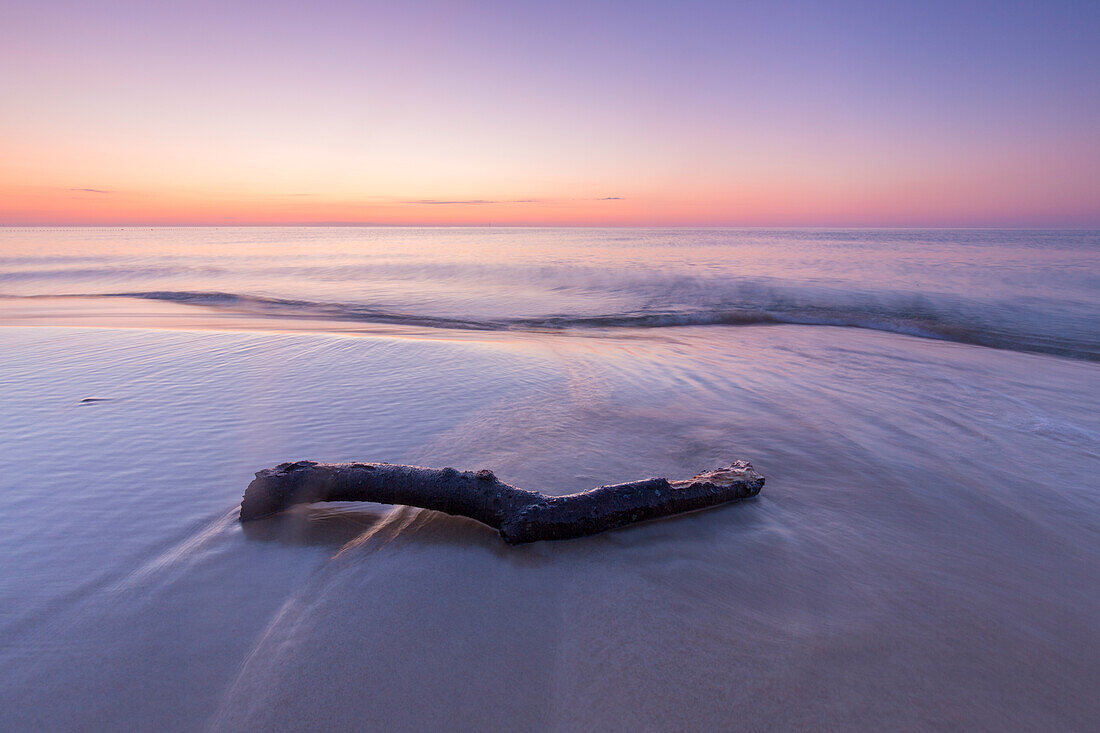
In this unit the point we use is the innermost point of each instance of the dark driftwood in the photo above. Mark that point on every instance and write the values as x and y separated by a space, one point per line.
519 515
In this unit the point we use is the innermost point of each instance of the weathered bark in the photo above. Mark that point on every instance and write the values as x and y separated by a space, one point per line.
519 515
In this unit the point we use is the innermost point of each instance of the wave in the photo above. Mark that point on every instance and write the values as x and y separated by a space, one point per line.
902 315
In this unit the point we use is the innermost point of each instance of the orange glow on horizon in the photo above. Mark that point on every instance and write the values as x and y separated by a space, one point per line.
929 204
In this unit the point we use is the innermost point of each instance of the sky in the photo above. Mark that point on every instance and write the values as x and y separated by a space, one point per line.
550 113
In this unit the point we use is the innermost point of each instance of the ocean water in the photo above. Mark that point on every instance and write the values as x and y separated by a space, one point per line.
1023 290
925 406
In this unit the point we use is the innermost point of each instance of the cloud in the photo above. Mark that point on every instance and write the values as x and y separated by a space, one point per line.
90 190
477 202
436 202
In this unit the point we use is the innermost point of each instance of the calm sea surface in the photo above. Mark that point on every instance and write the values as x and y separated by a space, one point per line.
925 406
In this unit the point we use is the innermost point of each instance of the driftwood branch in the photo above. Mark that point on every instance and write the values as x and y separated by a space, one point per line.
519 515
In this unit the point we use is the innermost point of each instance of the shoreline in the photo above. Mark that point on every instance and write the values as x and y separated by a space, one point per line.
136 313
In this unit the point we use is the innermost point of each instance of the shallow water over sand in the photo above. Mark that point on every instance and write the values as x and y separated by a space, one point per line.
924 553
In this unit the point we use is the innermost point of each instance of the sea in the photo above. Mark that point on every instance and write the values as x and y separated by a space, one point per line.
924 405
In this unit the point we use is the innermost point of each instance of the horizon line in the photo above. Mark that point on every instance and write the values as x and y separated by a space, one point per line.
370 225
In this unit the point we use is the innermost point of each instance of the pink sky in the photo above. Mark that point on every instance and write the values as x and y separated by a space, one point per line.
588 114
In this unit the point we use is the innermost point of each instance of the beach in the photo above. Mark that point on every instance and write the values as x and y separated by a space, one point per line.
549 366
923 555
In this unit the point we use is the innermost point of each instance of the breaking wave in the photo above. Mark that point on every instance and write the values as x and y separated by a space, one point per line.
1002 326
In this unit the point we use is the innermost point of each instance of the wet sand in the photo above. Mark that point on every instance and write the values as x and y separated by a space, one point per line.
923 555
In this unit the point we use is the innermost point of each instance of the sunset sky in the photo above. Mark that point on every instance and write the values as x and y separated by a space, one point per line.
570 113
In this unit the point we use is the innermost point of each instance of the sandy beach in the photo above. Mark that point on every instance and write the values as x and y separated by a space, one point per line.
911 563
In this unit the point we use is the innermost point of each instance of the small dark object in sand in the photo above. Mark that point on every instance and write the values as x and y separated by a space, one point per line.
519 515
90 400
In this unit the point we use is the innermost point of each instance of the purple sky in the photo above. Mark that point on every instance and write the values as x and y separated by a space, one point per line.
929 113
